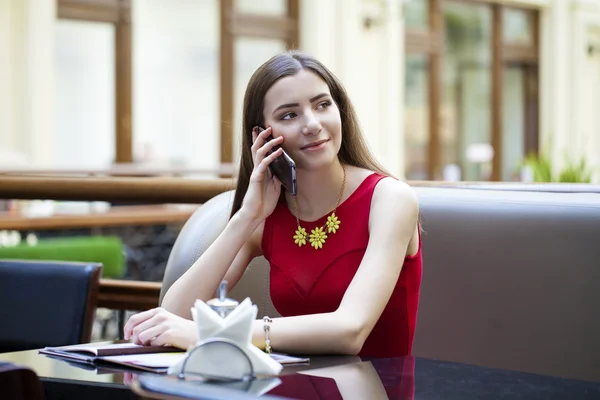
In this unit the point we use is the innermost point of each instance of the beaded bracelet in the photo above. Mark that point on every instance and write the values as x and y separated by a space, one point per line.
267 329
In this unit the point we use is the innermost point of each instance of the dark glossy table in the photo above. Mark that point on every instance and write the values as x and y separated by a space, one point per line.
333 377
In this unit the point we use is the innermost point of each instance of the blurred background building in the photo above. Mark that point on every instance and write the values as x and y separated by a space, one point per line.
445 89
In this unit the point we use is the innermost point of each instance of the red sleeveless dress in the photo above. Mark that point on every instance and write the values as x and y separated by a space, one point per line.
308 281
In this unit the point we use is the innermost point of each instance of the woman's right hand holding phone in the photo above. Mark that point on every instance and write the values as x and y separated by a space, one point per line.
264 188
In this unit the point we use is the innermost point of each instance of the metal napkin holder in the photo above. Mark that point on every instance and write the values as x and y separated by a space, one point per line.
235 355
214 350
245 381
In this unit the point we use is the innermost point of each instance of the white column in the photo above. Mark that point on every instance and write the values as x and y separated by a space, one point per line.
27 81
9 20
585 122
391 89
6 141
319 30
38 81
555 93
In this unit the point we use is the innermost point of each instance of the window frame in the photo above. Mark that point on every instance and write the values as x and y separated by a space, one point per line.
430 43
232 25
118 13
235 25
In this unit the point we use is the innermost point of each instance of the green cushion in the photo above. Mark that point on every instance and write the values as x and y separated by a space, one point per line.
107 250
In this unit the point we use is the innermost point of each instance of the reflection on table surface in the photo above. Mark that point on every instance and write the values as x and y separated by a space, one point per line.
334 377
391 378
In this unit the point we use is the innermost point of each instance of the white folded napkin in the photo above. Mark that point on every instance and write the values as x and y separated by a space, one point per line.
224 361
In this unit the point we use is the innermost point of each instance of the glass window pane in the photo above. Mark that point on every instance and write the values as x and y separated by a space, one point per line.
250 53
176 88
470 115
517 27
262 7
416 14
513 121
465 132
416 116
85 94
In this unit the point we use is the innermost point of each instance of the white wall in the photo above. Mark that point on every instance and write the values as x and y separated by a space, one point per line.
6 80
39 112
555 93
564 92
11 99
27 76
585 117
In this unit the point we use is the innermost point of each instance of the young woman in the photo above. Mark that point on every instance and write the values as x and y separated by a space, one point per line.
345 252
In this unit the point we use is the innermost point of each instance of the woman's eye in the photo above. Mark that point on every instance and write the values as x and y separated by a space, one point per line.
324 104
289 115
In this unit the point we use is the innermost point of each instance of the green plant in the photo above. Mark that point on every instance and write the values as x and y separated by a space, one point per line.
572 172
540 166
576 172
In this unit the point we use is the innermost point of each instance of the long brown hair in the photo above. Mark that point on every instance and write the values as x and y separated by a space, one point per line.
353 150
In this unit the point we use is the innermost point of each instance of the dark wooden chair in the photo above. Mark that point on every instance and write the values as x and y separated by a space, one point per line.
19 383
46 303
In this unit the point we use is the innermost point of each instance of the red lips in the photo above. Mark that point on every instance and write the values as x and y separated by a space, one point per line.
314 144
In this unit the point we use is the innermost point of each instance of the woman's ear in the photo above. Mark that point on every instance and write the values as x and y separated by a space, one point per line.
254 133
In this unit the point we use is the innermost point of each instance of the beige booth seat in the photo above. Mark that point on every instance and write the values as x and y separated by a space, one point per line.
511 278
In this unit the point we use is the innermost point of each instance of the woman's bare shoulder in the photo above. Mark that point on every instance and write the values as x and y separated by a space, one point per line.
355 176
392 192
395 211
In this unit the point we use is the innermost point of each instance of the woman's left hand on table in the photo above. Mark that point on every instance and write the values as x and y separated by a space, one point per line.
159 327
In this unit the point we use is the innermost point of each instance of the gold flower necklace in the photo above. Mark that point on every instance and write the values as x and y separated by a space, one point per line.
318 235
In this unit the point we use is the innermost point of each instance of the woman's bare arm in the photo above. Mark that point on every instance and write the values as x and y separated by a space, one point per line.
229 255
226 258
